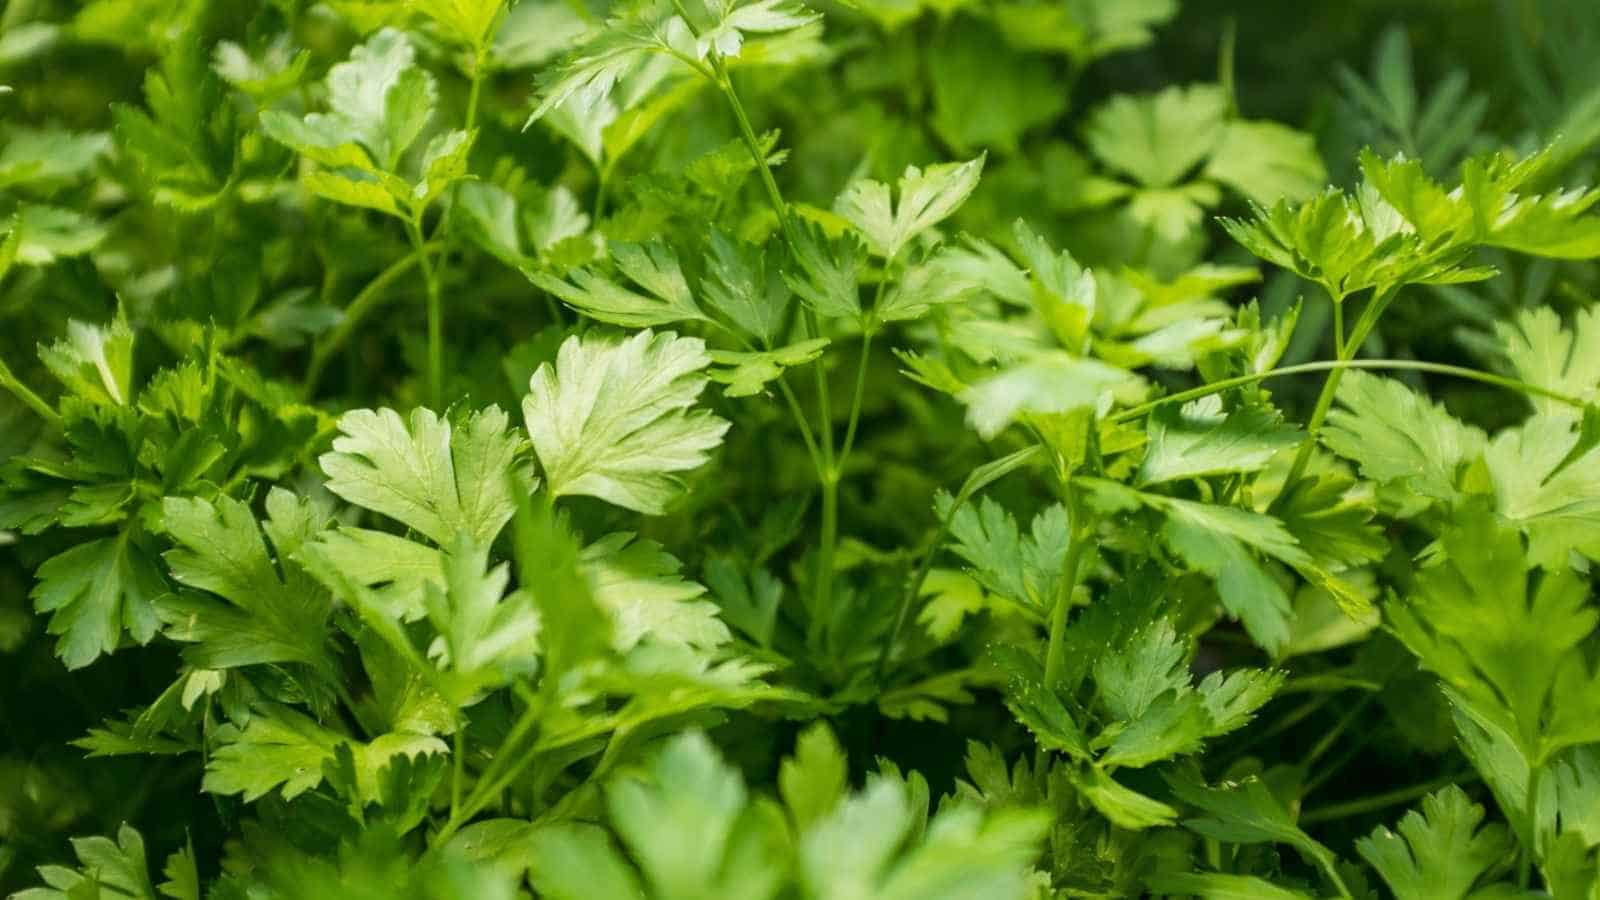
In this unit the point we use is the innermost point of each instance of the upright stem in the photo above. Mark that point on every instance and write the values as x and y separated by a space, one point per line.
430 276
825 553
458 769
1082 532
828 472
476 89
856 398
495 778
800 421
768 181
1346 351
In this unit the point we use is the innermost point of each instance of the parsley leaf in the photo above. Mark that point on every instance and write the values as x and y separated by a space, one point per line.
613 419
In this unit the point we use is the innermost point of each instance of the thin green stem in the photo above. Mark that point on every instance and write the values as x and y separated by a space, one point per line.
365 302
476 89
856 398
1338 324
800 421
493 779
22 392
768 181
1346 350
1337 764
1525 860
458 769
1384 800
430 276
828 472
825 554
1331 737
1216 387
1082 533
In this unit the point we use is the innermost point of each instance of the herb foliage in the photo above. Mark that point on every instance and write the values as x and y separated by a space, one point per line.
748 448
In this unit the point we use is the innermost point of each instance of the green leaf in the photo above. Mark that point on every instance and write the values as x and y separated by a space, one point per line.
280 749
613 419
94 362
396 569
1331 514
49 156
486 638
653 267
1037 706
1123 806
749 604
1064 292
1158 138
438 477
1544 353
574 628
1267 162
743 285
468 22
639 584
926 198
1017 92
1441 852
45 234
1218 541
1025 570
1198 440
1351 244
587 75
1505 651
1545 483
1245 812
575 861
1131 677
378 98
275 612
829 271
1221 886
735 18
749 372
815 779
186 145
487 214
104 866
183 879
96 590
1233 698
1397 436
686 818
1047 384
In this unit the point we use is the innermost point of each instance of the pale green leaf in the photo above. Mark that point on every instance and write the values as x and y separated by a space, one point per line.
613 418
926 198
438 477
94 362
